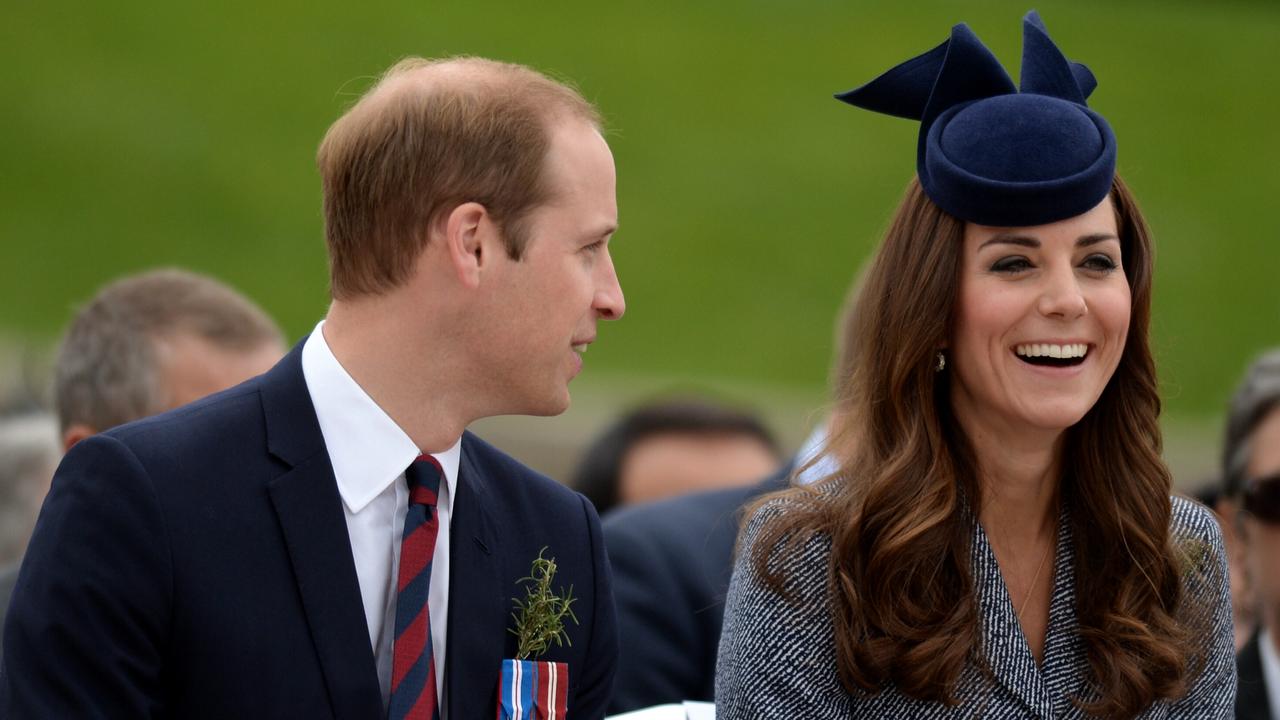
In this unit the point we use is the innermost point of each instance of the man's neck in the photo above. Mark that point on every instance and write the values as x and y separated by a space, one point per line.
424 398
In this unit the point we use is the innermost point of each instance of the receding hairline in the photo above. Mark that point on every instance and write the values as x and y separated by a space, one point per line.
417 78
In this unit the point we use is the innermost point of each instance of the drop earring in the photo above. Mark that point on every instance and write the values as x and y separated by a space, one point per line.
942 362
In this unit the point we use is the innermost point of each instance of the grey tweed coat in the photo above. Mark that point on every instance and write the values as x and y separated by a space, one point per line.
777 659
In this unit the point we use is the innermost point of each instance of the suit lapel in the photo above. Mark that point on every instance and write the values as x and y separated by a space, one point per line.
309 509
477 612
1252 702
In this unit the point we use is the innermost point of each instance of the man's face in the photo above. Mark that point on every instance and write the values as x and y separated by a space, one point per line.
676 463
545 305
192 367
1262 539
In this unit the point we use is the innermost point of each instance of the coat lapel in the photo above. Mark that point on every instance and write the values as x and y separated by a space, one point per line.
309 509
1005 649
478 614
1066 664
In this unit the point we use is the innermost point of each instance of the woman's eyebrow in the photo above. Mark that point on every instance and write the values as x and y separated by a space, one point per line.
1009 239
1095 238
1030 242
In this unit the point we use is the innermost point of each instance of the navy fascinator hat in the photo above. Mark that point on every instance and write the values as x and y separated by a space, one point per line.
992 153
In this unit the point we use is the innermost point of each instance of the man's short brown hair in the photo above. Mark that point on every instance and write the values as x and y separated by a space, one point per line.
429 136
107 372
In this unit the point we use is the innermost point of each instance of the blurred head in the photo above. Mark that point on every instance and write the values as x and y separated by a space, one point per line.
29 453
483 192
672 448
151 342
1254 401
1251 461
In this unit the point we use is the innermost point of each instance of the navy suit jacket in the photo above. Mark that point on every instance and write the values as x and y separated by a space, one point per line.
8 576
672 561
1252 702
197 565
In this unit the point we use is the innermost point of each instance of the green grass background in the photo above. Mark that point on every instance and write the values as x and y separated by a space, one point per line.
136 134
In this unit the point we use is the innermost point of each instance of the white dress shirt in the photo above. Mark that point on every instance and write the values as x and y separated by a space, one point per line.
1270 669
369 453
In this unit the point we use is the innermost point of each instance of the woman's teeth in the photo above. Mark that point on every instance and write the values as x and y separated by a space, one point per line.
1037 350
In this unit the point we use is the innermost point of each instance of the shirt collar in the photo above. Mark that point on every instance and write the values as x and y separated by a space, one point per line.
1270 668
824 465
367 449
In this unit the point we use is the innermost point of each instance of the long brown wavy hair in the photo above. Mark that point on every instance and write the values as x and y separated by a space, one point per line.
901 590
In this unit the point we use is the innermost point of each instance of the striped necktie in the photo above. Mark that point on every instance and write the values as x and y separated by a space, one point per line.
413 665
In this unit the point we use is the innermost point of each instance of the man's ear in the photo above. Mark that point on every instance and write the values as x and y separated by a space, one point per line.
74 434
462 233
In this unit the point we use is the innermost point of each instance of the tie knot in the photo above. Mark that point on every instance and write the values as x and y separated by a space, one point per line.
423 476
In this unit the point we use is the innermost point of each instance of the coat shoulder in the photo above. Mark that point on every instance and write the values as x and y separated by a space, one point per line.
231 418
1191 520
1198 545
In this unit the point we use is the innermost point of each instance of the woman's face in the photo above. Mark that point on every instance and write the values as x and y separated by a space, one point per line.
1041 321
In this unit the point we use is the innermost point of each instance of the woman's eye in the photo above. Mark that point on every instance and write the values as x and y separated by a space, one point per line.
1099 263
1011 264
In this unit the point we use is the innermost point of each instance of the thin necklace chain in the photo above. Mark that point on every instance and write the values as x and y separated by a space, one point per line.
1034 579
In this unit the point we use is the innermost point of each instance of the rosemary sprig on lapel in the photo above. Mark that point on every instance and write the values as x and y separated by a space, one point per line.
540 616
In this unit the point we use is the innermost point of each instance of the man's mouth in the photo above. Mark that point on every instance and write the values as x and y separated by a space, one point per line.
580 348
1051 354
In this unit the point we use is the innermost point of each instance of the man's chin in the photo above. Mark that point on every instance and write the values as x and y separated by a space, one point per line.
547 407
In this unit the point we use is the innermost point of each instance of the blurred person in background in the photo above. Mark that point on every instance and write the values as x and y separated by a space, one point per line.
1210 494
1251 485
672 560
29 453
667 448
144 344
154 341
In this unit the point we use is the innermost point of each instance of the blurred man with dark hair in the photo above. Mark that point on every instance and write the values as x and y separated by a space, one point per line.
668 448
327 540
672 561
1251 483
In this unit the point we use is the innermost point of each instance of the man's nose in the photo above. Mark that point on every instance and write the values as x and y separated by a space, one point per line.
609 302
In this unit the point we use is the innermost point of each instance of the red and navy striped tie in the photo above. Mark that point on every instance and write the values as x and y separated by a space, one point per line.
413 665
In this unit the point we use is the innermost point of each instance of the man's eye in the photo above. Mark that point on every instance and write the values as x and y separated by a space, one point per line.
1013 264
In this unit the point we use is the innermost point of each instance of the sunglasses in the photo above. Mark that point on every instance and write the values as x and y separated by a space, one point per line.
1262 498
